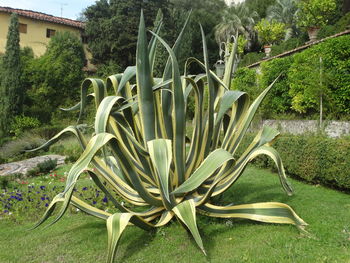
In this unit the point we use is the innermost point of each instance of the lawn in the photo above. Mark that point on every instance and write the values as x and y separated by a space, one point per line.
81 238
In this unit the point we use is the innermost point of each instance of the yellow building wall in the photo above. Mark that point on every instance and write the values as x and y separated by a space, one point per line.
36 33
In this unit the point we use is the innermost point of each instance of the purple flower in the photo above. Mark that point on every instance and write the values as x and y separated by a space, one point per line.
42 198
6 211
42 187
46 205
84 188
94 202
105 199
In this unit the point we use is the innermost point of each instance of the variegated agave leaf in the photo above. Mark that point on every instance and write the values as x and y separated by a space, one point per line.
139 147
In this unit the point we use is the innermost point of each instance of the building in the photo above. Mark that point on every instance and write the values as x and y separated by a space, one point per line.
37 28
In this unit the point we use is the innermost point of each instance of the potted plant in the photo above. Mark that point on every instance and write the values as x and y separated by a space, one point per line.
314 14
269 32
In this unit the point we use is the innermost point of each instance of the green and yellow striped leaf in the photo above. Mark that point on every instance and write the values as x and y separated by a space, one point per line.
213 161
161 155
186 212
116 224
269 212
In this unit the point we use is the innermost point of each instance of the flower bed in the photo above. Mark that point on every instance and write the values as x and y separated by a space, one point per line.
25 199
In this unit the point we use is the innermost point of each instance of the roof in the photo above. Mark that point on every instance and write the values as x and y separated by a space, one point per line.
290 52
43 17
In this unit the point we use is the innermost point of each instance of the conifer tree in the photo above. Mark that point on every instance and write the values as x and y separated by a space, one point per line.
11 99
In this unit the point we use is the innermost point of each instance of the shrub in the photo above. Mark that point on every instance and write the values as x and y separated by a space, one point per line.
315 13
7 180
15 149
341 25
251 58
4 182
47 132
313 158
55 77
246 80
297 91
42 168
270 32
317 159
69 148
33 172
286 46
47 166
23 123
278 100
304 77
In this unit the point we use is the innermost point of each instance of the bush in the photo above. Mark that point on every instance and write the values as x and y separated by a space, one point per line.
278 100
298 89
69 148
325 10
22 123
47 166
270 32
251 58
246 80
42 168
47 132
317 159
15 150
6 180
335 55
55 77
339 26
313 158
286 46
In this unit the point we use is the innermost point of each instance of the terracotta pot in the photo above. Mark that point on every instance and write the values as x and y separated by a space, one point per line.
313 32
267 49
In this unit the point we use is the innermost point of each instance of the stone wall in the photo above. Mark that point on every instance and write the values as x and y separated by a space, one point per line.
331 128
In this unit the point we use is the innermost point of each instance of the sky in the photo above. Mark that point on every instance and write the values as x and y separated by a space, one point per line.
70 8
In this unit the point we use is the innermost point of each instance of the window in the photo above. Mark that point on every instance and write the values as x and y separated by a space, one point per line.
50 32
22 28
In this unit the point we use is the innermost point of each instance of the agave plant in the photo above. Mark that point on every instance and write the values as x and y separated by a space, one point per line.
140 154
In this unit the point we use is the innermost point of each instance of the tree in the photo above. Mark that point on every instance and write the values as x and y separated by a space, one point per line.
270 32
11 87
284 11
236 18
56 76
315 13
111 28
260 6
202 14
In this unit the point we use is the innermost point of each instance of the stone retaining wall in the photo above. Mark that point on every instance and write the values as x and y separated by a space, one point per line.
333 129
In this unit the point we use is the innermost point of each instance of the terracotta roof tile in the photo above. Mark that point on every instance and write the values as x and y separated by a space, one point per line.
43 17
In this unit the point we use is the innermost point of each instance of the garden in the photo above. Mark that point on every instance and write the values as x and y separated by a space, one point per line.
161 147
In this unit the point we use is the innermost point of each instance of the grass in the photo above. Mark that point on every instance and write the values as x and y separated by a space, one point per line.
81 238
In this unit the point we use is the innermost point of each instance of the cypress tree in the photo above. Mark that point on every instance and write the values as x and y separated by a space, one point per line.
11 89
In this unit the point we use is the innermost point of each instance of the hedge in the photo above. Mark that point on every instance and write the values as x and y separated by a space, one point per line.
297 90
313 158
